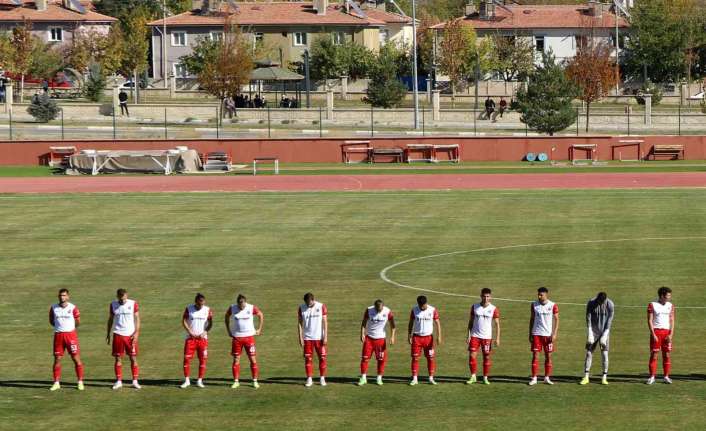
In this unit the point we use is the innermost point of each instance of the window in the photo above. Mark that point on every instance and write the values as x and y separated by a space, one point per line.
179 38
216 36
580 41
539 43
180 71
339 38
56 34
259 37
384 36
299 39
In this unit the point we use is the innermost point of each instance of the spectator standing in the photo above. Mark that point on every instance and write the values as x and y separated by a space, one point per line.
502 106
489 107
122 98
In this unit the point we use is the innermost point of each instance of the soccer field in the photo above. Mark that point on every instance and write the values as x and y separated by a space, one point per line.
274 247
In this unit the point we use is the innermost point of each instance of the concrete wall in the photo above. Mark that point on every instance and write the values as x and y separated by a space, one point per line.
329 150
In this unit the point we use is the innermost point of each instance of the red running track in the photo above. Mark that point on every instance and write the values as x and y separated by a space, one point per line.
304 183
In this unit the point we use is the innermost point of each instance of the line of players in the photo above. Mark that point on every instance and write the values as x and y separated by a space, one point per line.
123 328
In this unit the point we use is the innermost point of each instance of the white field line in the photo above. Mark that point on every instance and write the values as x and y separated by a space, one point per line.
385 278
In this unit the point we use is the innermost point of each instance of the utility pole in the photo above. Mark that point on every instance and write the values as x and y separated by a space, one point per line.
164 43
414 69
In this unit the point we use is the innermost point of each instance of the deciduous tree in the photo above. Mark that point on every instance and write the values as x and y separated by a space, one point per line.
513 57
592 69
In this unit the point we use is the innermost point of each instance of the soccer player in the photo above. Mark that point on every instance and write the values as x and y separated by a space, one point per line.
65 318
373 336
197 321
124 324
240 323
420 334
313 336
480 332
599 317
660 320
543 328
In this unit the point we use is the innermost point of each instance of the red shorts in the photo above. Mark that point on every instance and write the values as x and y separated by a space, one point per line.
425 343
239 343
314 345
66 341
377 345
541 342
197 345
480 343
661 343
124 345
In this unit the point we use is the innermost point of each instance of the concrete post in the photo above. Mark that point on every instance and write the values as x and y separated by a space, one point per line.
329 105
172 86
684 91
648 109
436 104
8 97
344 87
116 101
428 90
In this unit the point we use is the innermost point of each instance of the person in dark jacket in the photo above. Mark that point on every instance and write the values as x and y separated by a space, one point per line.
489 107
122 98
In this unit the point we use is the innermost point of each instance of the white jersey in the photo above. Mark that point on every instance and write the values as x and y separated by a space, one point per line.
313 320
483 320
242 322
64 318
197 320
377 322
424 320
661 314
124 317
543 318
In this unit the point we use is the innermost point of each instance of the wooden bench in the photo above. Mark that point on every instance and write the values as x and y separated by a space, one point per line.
262 160
452 150
397 154
425 151
356 147
673 151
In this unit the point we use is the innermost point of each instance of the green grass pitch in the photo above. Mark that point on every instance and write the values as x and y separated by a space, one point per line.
275 247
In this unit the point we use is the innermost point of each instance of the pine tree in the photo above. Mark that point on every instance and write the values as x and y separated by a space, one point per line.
384 89
95 84
43 108
545 104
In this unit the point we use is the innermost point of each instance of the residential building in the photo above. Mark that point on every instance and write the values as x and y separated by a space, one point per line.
561 29
53 21
284 29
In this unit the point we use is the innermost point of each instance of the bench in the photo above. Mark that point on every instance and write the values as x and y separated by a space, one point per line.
397 154
425 151
673 151
59 156
589 151
627 143
349 148
452 150
262 160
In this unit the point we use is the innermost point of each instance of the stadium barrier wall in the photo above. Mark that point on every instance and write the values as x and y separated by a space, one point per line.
328 150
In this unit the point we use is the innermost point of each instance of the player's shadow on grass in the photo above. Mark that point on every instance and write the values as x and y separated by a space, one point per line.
104 383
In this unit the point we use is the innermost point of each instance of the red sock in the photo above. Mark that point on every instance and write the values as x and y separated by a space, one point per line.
535 365
57 371
486 365
666 365
547 368
415 366
364 366
118 371
431 366
473 364
79 371
308 366
135 371
236 371
322 366
381 366
653 366
254 370
187 367
202 369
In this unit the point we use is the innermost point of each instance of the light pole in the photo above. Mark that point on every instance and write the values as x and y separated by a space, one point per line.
414 69
164 43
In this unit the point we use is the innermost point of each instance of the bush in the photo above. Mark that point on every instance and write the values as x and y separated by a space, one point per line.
43 108
649 87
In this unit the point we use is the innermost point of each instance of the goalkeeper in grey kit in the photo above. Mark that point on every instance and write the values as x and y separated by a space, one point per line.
599 317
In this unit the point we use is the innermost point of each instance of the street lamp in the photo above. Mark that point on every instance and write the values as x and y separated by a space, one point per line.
414 69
